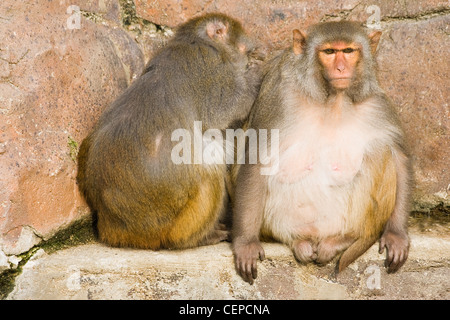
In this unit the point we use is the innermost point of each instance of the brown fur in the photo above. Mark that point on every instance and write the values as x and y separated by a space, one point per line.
369 215
208 72
343 180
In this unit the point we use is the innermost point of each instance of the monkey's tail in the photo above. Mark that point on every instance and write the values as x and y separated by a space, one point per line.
354 252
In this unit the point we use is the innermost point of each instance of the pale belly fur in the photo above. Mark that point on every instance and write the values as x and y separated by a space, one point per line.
319 159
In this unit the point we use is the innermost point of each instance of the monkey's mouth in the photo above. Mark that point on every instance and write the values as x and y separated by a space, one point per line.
334 79
341 83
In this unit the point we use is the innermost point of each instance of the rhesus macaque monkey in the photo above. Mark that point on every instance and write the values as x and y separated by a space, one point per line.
341 179
208 72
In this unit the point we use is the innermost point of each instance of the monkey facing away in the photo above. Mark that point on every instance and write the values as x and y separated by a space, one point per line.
208 73
341 178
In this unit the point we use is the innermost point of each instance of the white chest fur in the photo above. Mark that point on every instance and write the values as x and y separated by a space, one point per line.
320 155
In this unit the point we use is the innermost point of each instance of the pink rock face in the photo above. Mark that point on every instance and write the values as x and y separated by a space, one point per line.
55 81
272 22
54 84
414 71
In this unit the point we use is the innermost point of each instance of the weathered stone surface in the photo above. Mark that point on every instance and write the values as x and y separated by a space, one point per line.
106 10
94 271
4 263
55 82
272 22
414 72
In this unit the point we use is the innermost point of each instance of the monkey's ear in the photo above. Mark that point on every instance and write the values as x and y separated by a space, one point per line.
374 38
217 30
299 42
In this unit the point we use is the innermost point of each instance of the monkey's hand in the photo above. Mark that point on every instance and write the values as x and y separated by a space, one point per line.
246 256
397 246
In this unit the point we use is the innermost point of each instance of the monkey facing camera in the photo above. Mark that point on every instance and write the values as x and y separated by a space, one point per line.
342 178
207 72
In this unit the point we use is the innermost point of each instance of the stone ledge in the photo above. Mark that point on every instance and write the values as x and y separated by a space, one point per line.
95 271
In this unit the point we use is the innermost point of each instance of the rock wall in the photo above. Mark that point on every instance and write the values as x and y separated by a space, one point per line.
63 62
56 78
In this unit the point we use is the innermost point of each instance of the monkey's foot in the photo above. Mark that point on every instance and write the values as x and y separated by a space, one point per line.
246 256
304 251
397 250
330 247
221 226
217 235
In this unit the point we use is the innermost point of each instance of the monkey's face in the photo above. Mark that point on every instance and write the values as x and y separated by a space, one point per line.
339 62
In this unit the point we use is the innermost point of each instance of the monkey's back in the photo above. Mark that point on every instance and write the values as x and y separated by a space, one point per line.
141 197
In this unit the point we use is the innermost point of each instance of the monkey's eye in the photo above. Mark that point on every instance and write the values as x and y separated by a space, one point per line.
329 51
348 50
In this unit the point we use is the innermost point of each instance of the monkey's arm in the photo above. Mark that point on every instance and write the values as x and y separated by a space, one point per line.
247 219
395 235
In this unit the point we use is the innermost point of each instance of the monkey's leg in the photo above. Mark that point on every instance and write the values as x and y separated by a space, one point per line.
249 200
120 226
198 222
330 247
304 250
373 201
395 235
218 234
